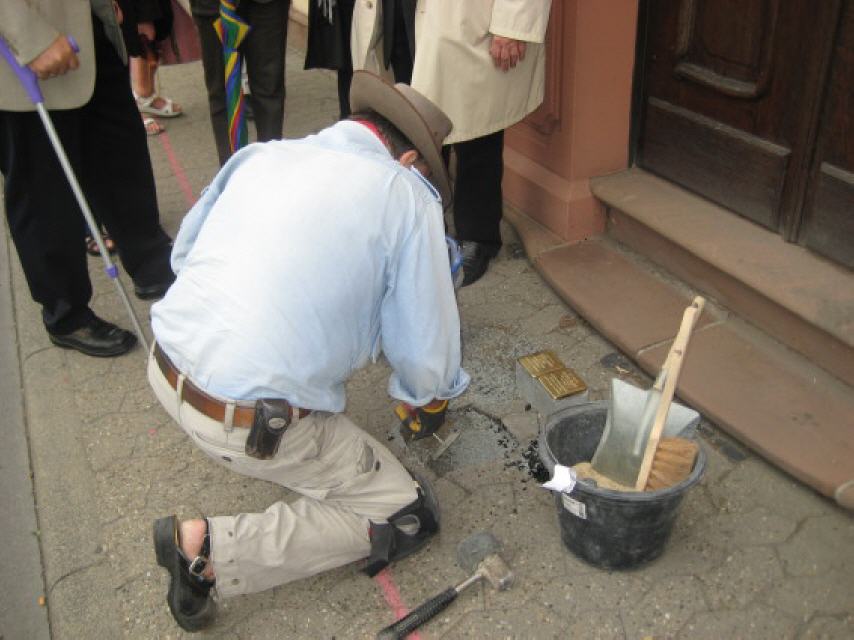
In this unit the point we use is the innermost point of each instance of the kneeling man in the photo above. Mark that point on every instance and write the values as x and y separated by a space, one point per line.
300 262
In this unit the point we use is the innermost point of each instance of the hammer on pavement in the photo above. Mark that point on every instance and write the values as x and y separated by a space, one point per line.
477 554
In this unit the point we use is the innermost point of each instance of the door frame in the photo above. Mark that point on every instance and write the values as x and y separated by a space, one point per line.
638 108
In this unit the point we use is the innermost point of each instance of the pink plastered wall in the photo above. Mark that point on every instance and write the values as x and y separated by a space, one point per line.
582 128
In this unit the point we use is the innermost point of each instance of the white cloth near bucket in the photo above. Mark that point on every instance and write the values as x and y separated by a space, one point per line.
563 480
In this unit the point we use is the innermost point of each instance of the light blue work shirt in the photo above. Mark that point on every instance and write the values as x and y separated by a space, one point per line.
302 259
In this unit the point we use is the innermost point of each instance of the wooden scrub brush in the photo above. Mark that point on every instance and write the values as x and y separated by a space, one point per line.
673 462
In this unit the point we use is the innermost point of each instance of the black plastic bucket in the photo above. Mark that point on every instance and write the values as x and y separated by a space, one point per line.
608 529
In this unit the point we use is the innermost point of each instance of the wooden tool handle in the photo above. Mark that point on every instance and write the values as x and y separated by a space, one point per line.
669 375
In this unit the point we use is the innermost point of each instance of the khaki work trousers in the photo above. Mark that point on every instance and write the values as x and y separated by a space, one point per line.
345 479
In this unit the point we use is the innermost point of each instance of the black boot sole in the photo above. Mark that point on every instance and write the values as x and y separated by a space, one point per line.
166 552
154 292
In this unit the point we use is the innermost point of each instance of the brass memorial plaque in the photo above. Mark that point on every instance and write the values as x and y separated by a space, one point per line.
540 363
557 379
563 383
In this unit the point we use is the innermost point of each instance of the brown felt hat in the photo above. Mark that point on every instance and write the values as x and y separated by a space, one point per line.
421 121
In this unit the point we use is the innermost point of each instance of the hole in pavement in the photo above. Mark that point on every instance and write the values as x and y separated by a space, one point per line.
482 439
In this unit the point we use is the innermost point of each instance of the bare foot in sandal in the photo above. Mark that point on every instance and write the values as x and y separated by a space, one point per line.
156 105
92 246
152 127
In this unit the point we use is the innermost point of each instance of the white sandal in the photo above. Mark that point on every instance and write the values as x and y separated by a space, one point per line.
145 104
152 127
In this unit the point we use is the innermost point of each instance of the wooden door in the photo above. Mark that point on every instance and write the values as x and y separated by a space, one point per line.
732 96
828 221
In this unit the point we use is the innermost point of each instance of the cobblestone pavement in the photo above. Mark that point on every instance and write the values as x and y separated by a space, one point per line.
753 553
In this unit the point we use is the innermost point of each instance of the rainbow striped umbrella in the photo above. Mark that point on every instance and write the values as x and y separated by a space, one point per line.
232 30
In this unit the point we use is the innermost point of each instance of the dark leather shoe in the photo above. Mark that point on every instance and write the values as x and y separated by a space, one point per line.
476 257
406 531
189 596
97 338
152 291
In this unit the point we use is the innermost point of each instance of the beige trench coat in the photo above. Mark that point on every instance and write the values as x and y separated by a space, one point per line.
453 67
30 26
366 38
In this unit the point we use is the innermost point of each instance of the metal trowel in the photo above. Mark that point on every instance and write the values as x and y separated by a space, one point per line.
630 415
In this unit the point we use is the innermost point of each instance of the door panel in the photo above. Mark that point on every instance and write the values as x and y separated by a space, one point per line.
728 46
743 171
829 221
731 95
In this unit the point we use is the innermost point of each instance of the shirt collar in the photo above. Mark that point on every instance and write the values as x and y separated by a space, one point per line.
358 136
375 130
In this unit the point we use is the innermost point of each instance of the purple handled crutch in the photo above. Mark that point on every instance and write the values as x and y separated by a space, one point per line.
31 86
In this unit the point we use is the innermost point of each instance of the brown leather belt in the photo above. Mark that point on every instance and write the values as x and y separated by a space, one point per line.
244 414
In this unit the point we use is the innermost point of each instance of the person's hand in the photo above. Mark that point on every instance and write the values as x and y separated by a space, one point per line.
146 29
58 59
420 422
506 52
120 17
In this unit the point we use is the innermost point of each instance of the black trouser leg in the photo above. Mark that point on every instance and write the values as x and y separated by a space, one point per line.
345 78
477 193
264 50
345 72
44 220
401 53
399 37
116 173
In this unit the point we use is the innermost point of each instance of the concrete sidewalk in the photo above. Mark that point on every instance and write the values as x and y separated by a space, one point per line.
753 553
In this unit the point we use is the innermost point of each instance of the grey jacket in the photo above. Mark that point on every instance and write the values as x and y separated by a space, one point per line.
30 26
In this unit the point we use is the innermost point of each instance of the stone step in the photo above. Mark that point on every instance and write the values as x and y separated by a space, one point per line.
768 396
804 301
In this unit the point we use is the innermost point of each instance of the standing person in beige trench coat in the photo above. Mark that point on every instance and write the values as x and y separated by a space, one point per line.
483 63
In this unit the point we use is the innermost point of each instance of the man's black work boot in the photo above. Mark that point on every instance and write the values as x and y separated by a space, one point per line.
406 531
189 593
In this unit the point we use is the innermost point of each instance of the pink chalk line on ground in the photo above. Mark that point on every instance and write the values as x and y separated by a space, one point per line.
177 169
392 596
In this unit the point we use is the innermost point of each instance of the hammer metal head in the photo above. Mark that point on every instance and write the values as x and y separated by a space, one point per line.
496 572
478 553
473 549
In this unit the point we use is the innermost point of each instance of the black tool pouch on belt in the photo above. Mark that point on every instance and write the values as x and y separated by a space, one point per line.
272 417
